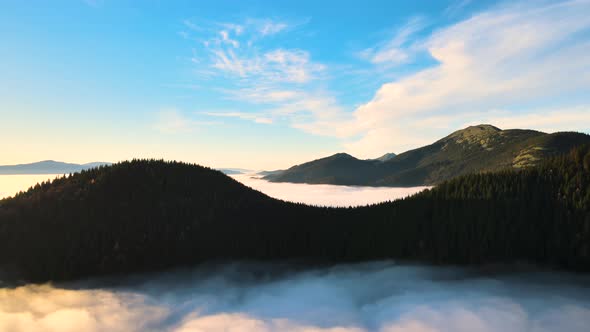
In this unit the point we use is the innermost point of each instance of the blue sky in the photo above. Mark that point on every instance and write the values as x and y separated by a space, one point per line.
267 84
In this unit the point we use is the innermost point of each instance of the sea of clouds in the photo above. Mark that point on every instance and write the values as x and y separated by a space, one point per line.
326 194
378 296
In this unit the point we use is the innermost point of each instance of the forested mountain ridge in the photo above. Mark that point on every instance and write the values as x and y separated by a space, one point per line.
340 168
147 215
473 149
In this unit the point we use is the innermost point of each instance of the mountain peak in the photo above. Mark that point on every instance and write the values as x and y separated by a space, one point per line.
484 126
474 134
342 155
477 130
386 157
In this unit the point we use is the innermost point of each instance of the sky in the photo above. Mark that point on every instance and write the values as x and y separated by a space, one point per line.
269 84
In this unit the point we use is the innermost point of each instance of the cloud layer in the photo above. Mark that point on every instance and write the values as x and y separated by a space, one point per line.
248 297
325 194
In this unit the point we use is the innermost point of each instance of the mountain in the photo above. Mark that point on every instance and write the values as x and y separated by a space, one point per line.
386 157
47 167
479 148
233 171
145 215
337 167
340 168
265 173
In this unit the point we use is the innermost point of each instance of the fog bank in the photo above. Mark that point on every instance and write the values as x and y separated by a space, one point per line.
366 297
12 184
326 194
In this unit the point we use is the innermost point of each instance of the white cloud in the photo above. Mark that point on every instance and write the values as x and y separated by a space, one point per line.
499 59
261 94
269 27
226 39
172 121
549 120
189 24
278 79
274 66
45 308
238 29
376 296
258 118
456 7
396 50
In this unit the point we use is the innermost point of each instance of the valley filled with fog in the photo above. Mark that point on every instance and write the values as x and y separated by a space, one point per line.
326 194
379 296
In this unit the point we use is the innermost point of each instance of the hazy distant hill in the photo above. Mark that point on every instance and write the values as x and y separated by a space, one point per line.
150 215
232 171
48 167
340 168
473 149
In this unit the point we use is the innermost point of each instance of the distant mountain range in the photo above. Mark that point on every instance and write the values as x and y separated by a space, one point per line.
48 167
474 149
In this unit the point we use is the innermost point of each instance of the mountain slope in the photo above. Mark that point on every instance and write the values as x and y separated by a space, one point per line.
47 167
386 157
340 168
149 215
473 149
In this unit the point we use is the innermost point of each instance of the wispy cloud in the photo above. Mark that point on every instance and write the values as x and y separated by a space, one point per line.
399 48
280 81
456 7
234 50
192 26
258 118
271 28
274 66
173 121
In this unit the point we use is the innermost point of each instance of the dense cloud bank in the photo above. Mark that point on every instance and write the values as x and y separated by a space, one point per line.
326 194
246 297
